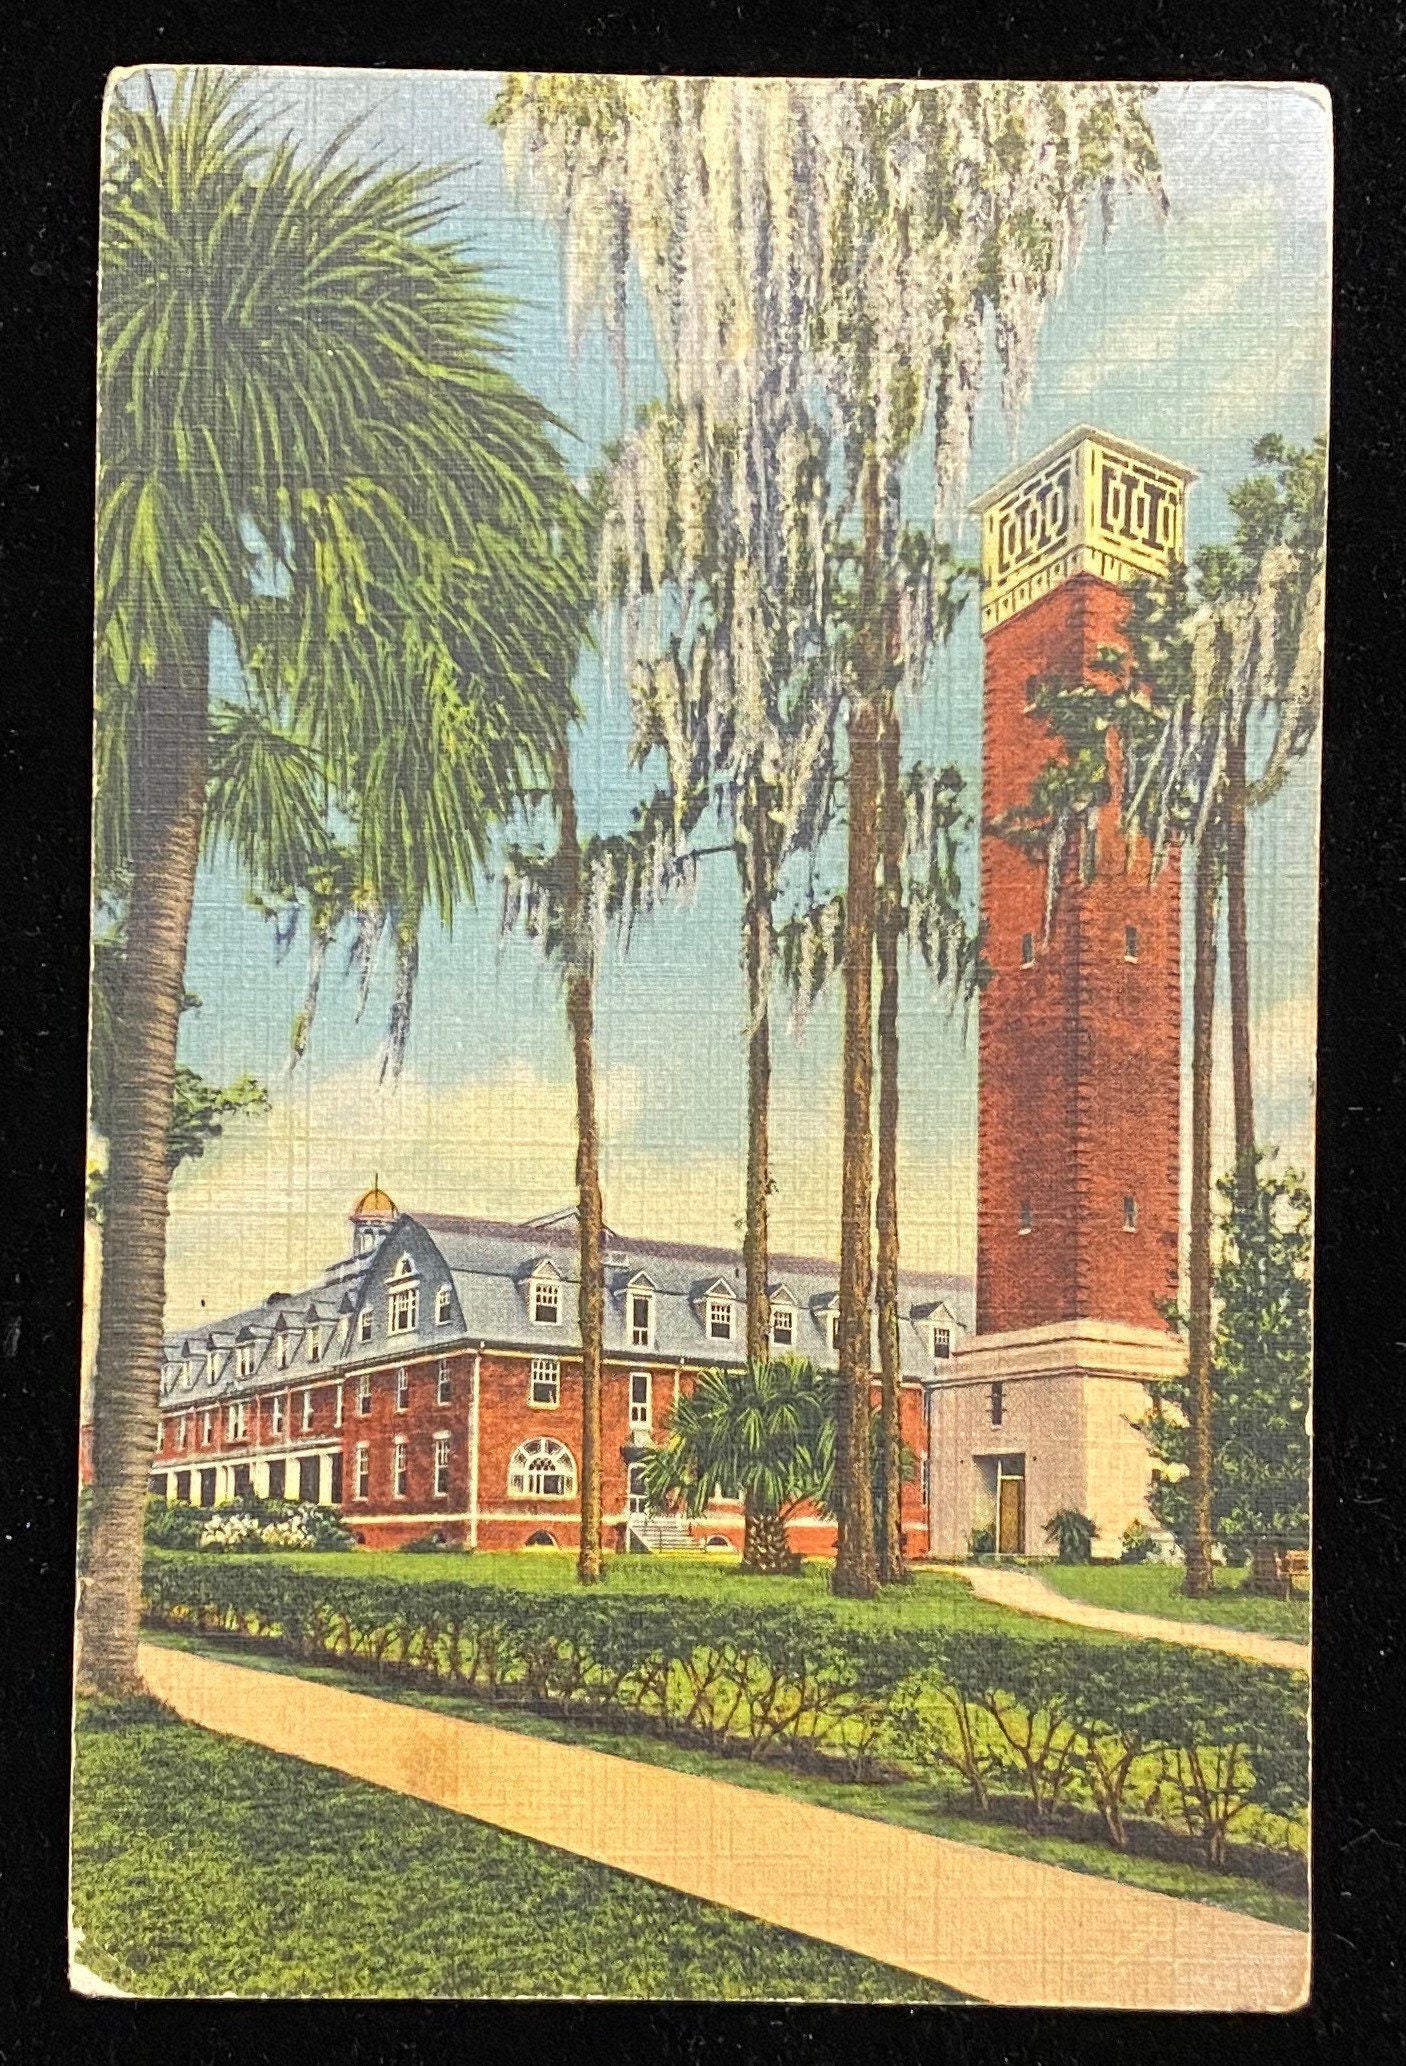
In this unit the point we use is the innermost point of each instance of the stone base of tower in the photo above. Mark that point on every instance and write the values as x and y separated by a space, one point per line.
1040 1419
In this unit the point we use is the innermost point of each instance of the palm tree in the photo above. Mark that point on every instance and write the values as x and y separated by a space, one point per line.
310 448
765 1434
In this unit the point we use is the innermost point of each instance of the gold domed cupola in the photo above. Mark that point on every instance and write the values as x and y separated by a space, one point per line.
372 1217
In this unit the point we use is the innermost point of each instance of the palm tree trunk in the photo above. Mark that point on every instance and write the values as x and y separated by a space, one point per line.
756 957
1199 1578
580 1014
889 920
1237 936
167 813
766 1547
856 1569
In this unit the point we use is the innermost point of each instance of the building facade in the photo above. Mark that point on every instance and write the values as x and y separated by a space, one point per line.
430 1383
1079 1065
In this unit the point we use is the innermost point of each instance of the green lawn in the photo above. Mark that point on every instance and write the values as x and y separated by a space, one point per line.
932 1599
1156 1589
203 1866
911 1804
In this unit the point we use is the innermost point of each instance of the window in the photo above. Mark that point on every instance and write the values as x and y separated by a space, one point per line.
545 1386
363 1470
720 1319
181 1432
925 1473
400 1466
1130 943
639 1399
403 1310
636 1494
443 1306
314 1345
363 1324
1129 1214
212 1366
276 1415
832 1328
1027 950
244 1359
307 1410
441 1466
402 1390
337 1411
187 1372
546 1302
280 1351
443 1383
207 1428
998 1405
236 1420
641 1319
783 1327
941 1343
1027 1218
363 1392
542 1469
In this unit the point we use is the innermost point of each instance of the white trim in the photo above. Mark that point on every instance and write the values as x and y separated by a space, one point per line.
1068 1348
472 1516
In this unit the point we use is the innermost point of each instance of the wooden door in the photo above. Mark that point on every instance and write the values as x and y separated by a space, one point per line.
1010 1517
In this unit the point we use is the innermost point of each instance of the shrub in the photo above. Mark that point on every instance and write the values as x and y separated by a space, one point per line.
1072 1533
1140 1545
982 1542
1206 1738
174 1525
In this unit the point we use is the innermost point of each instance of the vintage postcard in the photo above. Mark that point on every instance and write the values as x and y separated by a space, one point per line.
704 933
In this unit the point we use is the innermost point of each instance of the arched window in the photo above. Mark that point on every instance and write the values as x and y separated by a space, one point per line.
540 1539
542 1469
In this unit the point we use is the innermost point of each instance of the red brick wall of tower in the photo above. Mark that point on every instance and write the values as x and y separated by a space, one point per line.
1080 1054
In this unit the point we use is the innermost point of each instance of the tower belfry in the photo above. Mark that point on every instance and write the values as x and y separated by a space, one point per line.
1079 1060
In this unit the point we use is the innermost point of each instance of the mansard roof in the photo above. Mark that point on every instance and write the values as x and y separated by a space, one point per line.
486 1266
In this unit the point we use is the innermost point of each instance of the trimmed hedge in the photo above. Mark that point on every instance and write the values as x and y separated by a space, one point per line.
1192 1737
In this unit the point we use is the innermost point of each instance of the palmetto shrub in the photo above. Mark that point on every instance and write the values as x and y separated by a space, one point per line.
1205 1742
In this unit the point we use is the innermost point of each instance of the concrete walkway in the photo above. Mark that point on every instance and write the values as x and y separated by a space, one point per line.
1002 1928
1030 1594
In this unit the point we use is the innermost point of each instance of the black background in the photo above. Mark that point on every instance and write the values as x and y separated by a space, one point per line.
52 84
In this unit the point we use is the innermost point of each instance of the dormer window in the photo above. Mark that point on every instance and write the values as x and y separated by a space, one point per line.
281 1348
363 1324
403 1309
641 1319
941 1344
404 1268
834 1330
212 1365
545 1299
783 1326
314 1345
719 1319
187 1371
244 1359
443 1306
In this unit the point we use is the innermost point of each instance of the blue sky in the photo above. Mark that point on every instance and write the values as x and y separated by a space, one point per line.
1191 336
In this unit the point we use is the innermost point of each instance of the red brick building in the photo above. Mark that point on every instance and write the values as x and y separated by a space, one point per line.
1079 1072
429 1383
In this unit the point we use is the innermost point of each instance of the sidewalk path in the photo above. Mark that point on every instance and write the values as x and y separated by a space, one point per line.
1002 1928
1031 1595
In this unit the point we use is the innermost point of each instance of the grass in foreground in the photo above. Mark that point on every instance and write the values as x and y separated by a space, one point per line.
204 1866
932 1600
910 1804
1156 1589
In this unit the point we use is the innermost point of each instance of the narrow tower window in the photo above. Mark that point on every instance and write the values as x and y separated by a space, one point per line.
1027 950
1027 1218
1129 1214
998 1405
1130 943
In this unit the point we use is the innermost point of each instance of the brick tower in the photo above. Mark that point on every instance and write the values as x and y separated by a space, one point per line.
1080 1045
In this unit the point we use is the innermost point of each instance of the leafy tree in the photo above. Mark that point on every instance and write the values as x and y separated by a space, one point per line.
1260 1377
200 1108
311 454
765 1434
